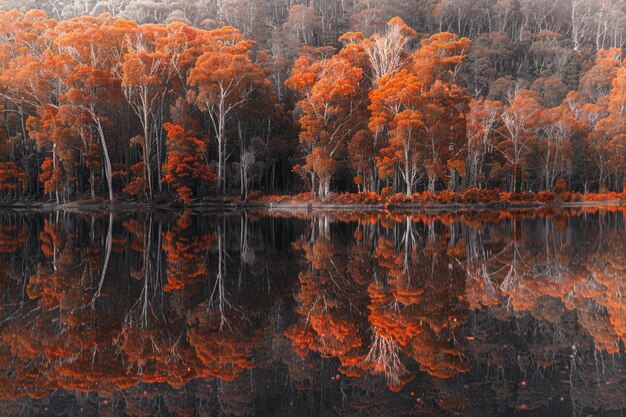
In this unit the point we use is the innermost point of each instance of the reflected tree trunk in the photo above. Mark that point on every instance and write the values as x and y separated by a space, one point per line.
105 265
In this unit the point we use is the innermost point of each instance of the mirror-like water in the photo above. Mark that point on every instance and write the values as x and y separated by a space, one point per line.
191 314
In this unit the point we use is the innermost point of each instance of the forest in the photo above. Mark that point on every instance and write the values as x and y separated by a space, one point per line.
351 100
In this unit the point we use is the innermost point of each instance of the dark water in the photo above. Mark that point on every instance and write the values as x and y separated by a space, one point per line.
313 314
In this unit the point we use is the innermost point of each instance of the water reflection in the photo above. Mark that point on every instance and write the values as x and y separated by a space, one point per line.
476 313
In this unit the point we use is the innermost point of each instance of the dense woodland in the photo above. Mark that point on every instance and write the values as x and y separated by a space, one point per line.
141 99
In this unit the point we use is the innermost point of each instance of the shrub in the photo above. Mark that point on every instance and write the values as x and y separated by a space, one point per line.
475 195
447 196
491 195
346 198
330 197
523 196
568 196
365 197
400 199
255 195
546 196
426 197
613 196
283 199
576 196
472 195
163 197
589 197
385 192
273 198
304 197
517 197
369 197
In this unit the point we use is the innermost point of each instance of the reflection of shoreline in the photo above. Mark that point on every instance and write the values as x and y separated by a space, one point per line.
238 205
484 211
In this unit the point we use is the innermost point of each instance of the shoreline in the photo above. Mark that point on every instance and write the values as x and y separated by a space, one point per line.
223 206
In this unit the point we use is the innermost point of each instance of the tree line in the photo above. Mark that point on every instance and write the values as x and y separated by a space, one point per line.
104 106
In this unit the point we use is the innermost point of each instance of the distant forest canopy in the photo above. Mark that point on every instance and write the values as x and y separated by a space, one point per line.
142 99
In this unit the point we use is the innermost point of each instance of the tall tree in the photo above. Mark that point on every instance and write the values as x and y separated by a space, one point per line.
557 126
329 110
225 76
482 119
145 74
93 86
398 106
386 53
608 138
519 128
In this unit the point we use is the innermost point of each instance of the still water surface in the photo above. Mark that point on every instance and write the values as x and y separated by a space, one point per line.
313 314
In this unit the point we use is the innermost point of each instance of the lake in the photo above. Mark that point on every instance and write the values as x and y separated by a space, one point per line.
313 313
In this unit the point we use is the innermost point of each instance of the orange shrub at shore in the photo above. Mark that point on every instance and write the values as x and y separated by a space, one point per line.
604 197
475 195
448 196
546 197
471 196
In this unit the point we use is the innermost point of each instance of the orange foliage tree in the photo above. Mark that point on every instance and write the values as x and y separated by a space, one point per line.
92 83
519 128
225 76
184 163
146 69
329 110
422 109
482 118
12 178
608 139
398 106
